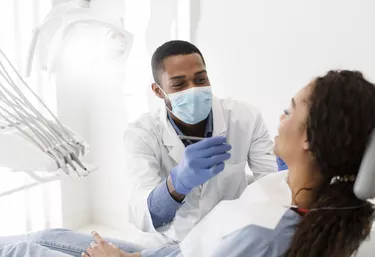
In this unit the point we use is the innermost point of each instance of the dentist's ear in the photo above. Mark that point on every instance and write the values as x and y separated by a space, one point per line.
157 90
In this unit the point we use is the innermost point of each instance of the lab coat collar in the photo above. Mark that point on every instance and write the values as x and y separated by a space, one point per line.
170 137
208 131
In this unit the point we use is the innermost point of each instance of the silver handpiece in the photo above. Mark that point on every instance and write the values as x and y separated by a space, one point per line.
182 137
364 187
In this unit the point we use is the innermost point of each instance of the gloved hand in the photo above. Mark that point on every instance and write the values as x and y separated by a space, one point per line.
201 162
281 164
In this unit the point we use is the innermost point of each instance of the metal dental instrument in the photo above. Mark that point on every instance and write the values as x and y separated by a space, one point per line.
29 140
182 137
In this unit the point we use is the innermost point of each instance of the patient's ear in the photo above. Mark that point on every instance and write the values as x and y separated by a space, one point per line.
306 144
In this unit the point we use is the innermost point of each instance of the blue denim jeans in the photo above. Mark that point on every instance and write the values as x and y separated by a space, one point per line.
28 249
53 243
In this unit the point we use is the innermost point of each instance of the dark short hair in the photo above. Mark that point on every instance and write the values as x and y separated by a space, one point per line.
171 48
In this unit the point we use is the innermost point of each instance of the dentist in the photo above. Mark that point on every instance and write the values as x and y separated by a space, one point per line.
177 182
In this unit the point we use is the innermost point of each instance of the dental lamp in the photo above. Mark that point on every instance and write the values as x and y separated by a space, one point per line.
103 37
33 139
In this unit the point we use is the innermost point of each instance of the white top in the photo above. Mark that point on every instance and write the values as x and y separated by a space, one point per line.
261 204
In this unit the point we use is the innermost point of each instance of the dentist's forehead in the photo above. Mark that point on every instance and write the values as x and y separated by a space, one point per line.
179 65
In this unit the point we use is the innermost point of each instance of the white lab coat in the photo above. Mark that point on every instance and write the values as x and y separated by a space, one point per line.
153 149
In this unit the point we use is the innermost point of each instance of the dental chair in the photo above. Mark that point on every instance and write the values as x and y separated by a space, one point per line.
364 189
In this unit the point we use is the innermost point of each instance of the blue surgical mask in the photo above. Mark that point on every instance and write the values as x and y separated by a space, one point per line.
192 105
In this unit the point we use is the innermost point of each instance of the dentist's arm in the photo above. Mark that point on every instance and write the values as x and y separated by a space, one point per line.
201 162
163 204
152 202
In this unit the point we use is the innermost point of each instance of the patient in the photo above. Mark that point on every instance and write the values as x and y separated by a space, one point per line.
322 138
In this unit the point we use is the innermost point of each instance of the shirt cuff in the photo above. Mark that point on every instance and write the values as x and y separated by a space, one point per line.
161 205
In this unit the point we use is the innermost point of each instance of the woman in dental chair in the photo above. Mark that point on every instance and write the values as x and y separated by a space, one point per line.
308 211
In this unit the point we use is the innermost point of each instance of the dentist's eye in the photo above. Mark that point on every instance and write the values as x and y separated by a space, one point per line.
200 81
179 84
286 112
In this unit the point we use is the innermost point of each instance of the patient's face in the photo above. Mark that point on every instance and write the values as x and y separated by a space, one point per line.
291 142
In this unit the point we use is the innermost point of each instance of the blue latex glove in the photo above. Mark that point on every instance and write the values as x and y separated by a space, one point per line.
281 164
201 161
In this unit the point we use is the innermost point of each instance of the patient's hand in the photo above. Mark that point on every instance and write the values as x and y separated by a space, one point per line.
103 249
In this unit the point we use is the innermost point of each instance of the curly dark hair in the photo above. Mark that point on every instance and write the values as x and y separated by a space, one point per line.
339 124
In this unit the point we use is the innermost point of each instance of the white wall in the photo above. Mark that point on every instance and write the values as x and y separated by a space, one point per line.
89 101
262 52
113 104
72 112
99 104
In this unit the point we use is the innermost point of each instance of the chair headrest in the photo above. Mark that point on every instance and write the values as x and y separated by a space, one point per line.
364 187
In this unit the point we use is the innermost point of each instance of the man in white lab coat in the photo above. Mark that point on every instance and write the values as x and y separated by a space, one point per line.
177 182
